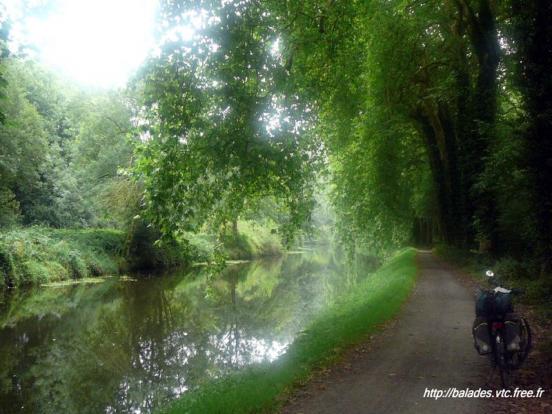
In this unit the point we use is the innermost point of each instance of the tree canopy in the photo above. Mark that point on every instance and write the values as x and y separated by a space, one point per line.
221 133
430 118
60 149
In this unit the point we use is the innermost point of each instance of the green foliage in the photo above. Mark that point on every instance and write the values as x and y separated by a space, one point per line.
354 315
506 174
60 151
514 273
38 255
146 254
9 208
101 152
35 255
23 149
254 240
4 52
427 112
221 132
409 112
353 61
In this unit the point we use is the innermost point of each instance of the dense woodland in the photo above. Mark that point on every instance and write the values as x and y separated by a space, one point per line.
421 121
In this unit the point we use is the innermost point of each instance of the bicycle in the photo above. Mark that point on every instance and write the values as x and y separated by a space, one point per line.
499 332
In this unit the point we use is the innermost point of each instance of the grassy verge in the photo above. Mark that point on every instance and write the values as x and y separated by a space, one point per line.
37 255
354 315
254 240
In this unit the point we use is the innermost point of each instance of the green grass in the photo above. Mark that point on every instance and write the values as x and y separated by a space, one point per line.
354 315
36 255
255 240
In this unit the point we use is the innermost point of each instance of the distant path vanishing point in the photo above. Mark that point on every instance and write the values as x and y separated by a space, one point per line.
429 345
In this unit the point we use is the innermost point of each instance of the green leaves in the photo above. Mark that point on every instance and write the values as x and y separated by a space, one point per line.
61 151
223 131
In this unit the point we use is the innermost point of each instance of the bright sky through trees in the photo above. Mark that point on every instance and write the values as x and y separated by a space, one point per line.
97 43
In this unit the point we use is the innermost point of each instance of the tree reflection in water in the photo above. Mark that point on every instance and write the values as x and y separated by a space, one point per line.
132 346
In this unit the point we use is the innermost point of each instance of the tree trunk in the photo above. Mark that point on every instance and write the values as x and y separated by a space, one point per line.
440 151
235 231
479 134
462 121
533 32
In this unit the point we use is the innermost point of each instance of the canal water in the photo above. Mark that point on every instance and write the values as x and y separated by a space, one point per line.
133 344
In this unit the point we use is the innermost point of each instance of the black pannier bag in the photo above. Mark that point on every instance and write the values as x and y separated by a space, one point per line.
484 304
515 335
503 303
492 305
481 336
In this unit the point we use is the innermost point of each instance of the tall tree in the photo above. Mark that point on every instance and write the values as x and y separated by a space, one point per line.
531 25
220 131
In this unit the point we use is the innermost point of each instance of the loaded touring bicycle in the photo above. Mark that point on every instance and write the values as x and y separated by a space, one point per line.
498 332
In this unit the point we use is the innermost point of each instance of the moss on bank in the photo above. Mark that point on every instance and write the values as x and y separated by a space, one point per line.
354 315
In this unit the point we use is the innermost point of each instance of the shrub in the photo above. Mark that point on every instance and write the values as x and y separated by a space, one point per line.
37 254
509 268
144 253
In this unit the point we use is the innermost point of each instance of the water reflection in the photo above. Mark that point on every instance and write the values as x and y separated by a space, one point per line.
133 346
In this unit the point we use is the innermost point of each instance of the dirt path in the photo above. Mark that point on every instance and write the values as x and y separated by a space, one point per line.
428 346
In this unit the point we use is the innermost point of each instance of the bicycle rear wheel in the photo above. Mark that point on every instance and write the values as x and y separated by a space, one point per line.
505 376
502 362
526 339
